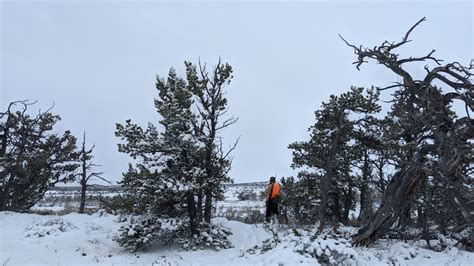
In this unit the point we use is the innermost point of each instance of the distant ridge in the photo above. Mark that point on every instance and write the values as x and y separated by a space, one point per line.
89 187
248 184
119 188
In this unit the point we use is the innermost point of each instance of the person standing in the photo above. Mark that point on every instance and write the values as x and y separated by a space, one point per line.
272 193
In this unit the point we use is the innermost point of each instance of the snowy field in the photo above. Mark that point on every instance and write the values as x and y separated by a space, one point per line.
87 239
247 208
242 202
64 200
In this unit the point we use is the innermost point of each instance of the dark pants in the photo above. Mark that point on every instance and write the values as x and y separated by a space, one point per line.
272 209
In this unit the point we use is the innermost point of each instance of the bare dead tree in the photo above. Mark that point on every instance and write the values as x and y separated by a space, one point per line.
444 152
87 171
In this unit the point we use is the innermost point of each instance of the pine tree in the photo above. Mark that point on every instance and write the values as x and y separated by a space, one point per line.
371 161
212 107
33 159
300 199
170 174
331 150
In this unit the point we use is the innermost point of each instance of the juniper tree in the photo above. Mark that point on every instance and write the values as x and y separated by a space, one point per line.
33 159
438 148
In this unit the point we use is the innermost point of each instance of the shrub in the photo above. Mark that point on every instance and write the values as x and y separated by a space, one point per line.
247 195
210 235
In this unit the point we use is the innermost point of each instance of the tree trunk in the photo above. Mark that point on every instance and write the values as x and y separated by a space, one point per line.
4 191
192 213
83 175
3 201
347 206
405 217
472 239
420 218
337 217
208 206
209 173
324 202
5 198
83 196
363 203
364 190
199 206
298 215
328 177
400 189
4 137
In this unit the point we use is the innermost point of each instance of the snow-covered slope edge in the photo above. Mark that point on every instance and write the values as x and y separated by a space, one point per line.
75 239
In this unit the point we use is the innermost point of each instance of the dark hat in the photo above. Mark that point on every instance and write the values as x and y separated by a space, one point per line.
272 179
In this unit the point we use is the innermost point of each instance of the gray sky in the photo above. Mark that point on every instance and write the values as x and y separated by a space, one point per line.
97 62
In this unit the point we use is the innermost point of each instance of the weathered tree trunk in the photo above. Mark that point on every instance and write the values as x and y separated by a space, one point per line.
400 189
83 197
363 203
423 224
327 179
347 206
405 217
83 175
364 190
336 208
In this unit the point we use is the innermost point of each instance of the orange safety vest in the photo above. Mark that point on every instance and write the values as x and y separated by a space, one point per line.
275 190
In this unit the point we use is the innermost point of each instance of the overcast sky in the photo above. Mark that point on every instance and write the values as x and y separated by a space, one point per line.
97 62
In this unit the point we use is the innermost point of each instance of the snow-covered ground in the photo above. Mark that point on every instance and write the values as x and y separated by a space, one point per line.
81 239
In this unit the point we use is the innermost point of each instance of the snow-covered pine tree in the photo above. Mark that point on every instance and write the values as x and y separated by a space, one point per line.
168 174
331 150
212 106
